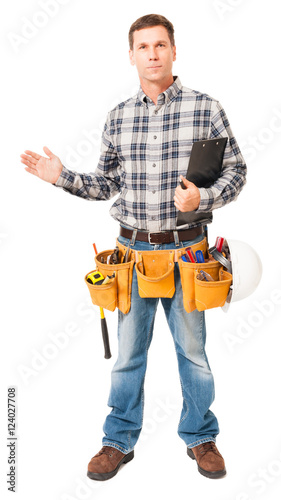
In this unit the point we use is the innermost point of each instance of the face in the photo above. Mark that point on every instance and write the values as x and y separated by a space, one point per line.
153 54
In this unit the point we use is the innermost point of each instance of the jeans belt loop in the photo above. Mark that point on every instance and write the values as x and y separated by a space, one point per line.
176 238
133 239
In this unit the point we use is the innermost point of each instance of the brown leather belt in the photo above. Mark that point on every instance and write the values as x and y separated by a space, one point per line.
163 237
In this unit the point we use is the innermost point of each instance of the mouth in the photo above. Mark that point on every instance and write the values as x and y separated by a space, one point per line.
154 67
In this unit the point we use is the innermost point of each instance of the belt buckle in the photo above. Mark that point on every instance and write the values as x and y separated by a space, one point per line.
153 242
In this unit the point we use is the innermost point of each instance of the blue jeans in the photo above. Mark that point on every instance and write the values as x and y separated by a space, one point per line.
197 424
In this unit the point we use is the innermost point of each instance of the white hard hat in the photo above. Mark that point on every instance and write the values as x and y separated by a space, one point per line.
246 267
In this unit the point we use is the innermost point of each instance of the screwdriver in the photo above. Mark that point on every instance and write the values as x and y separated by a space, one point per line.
199 256
190 254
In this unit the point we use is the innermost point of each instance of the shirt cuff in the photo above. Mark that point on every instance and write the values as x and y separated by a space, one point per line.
206 200
65 179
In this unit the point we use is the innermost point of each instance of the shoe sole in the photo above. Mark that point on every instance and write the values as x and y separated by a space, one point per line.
211 475
98 476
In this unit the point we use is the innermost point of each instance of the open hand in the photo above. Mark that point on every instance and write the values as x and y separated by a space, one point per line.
187 199
47 169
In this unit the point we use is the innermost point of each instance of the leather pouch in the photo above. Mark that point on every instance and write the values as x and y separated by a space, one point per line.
188 271
209 294
104 295
118 292
155 273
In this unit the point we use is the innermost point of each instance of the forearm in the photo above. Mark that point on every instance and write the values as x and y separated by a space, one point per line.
224 190
233 175
92 186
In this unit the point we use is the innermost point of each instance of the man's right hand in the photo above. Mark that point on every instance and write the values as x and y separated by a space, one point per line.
47 169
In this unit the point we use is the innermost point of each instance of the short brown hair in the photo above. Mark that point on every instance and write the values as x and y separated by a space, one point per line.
148 22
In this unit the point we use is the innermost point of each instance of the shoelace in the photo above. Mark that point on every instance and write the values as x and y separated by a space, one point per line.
210 446
106 451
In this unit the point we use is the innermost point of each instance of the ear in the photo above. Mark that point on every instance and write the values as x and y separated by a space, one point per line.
174 53
131 56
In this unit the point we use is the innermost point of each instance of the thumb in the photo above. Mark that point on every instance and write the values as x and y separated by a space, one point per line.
186 183
48 152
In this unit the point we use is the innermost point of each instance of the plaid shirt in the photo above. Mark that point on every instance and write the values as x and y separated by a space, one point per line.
146 147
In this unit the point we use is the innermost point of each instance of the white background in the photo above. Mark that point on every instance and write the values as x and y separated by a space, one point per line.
61 72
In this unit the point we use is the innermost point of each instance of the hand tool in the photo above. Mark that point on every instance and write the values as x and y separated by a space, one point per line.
219 243
185 258
95 278
203 276
190 254
199 256
104 330
126 256
108 278
114 256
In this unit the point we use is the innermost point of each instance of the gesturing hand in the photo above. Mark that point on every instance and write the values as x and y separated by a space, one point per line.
47 169
188 199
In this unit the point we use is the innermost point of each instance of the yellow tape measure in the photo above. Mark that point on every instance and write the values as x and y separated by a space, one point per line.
95 278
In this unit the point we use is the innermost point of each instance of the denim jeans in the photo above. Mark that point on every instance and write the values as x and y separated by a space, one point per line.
197 424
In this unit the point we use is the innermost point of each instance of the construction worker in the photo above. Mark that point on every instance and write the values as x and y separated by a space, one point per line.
146 145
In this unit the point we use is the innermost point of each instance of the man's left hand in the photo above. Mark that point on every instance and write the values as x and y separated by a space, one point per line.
188 199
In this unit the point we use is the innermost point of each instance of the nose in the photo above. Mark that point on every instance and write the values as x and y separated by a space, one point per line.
153 54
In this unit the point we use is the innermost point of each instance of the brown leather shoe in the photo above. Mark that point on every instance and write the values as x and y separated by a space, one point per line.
209 461
105 464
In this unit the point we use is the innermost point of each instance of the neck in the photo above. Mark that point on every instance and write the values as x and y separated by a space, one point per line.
154 89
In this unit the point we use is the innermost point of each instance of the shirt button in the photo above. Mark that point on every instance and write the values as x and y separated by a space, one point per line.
155 137
153 192
156 112
154 164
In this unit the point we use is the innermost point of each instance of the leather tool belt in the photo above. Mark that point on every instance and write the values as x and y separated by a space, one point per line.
155 274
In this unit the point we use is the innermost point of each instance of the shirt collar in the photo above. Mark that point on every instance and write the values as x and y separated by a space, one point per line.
166 97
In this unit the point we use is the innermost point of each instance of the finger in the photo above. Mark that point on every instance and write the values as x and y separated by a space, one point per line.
29 158
176 198
177 202
181 195
34 155
185 181
31 171
48 152
178 206
28 164
179 192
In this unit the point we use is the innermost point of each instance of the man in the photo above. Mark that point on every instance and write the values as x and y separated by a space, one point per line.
146 145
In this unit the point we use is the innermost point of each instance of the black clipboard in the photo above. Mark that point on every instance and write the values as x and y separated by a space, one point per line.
204 169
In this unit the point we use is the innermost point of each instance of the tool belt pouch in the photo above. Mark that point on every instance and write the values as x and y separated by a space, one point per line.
199 294
209 294
120 291
155 273
104 295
